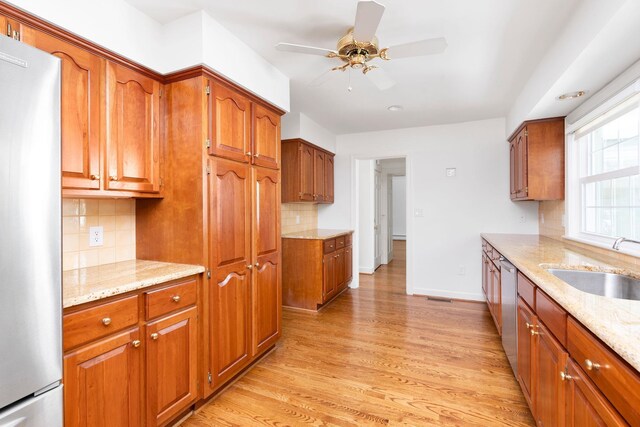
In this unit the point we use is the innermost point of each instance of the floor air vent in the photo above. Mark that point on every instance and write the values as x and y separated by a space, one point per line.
440 299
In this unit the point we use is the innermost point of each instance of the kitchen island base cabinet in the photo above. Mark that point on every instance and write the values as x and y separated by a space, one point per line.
315 270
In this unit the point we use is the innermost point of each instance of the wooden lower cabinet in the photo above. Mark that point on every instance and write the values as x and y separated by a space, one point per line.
585 406
315 270
551 359
527 371
172 361
103 383
137 366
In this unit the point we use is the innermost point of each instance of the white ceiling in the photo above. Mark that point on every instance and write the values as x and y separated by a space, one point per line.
494 46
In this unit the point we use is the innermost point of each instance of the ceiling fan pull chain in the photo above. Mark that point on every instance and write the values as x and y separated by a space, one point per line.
349 88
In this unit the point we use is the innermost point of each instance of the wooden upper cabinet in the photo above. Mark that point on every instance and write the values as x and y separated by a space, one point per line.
230 124
172 365
536 158
81 103
16 30
133 133
328 178
266 137
108 371
307 173
318 175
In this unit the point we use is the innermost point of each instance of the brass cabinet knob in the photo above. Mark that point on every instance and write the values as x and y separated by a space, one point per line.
534 332
248 153
106 321
565 377
113 178
176 298
249 267
256 155
155 336
136 343
95 177
257 265
591 366
528 325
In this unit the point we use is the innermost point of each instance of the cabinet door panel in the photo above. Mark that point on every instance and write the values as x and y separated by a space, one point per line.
172 362
306 174
549 391
526 352
512 170
348 264
318 176
266 137
585 405
328 178
340 269
102 383
329 276
267 288
229 325
230 124
133 139
230 216
80 103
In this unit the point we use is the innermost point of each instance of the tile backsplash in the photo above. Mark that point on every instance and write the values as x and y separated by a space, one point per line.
305 213
118 219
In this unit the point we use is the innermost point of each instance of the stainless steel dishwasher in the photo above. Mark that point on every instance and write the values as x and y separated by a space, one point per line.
509 295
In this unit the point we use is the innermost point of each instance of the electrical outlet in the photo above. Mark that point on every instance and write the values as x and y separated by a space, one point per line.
542 218
297 219
96 236
461 270
419 213
450 172
523 218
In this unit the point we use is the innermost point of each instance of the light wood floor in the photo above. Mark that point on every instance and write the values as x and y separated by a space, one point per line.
376 356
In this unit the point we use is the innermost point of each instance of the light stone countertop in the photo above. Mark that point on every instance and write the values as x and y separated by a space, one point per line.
615 321
94 283
316 234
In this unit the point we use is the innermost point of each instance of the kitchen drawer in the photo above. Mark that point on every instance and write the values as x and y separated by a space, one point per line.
329 245
552 315
171 298
348 239
340 242
88 325
526 290
618 382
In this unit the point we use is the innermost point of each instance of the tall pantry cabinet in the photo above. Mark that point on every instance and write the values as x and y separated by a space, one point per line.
221 209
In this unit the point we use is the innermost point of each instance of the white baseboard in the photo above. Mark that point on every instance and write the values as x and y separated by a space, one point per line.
367 270
469 296
402 237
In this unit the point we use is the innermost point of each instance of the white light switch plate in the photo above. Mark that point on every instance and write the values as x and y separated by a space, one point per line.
419 213
96 236
451 172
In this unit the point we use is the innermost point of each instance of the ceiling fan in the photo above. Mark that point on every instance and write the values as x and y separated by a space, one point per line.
360 45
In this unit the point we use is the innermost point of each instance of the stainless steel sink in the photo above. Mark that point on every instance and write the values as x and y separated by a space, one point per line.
605 284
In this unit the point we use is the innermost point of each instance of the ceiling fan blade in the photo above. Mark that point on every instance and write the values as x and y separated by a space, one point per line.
380 79
368 18
419 48
298 48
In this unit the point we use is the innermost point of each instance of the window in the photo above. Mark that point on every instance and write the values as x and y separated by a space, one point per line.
604 178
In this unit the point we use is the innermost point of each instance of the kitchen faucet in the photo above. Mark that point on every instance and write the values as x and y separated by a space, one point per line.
616 244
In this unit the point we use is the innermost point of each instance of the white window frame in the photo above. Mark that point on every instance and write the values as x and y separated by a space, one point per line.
574 214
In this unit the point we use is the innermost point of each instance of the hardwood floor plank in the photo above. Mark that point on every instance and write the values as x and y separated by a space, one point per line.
376 356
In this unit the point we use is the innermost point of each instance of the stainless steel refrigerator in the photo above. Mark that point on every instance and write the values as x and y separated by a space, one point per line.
30 238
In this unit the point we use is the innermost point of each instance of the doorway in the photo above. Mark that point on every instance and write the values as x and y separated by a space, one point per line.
382 217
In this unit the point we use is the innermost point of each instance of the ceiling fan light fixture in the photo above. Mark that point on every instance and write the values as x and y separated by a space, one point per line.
572 95
395 108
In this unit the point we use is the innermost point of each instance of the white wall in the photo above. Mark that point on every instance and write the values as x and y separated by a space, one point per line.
191 40
365 170
298 125
455 210
399 206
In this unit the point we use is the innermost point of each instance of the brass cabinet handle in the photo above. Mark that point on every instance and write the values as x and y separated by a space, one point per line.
95 177
565 377
9 32
106 321
113 178
529 325
136 343
176 298
155 336
534 332
591 366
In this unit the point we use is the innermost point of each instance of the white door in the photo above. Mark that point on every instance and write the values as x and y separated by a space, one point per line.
389 242
376 220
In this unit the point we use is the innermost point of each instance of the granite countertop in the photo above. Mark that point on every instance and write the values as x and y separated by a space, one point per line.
94 283
615 321
316 234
